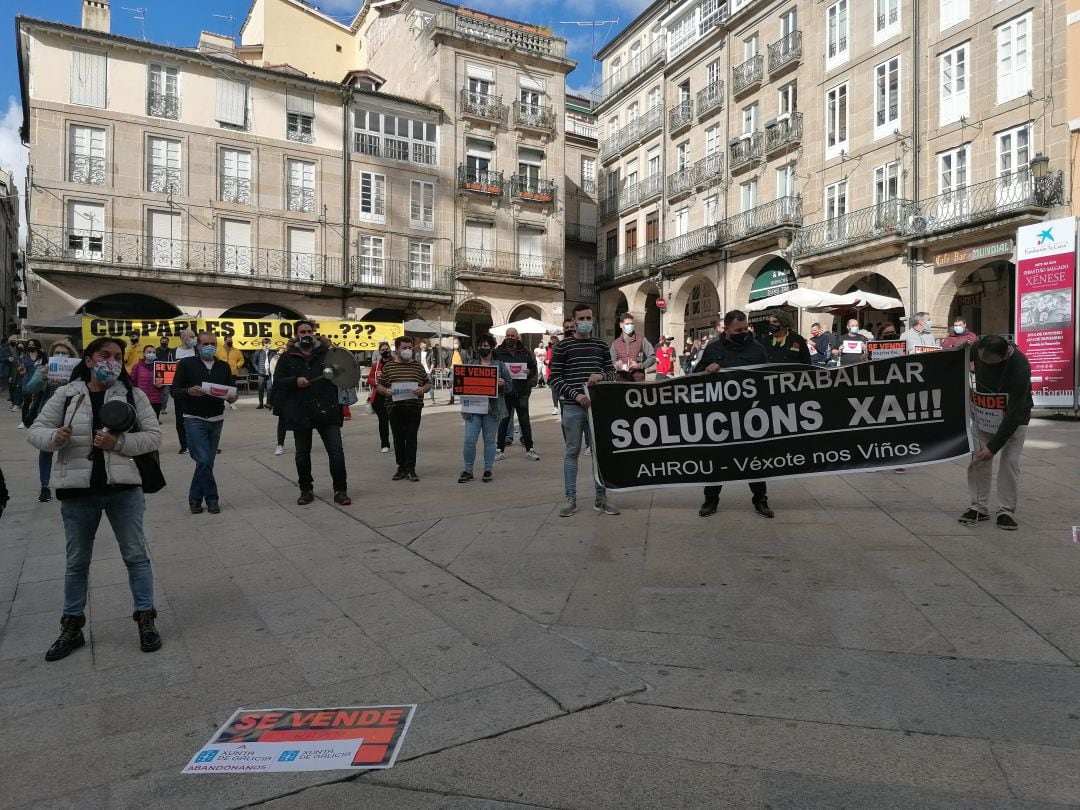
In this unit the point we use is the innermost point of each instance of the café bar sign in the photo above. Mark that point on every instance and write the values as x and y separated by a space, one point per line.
972 254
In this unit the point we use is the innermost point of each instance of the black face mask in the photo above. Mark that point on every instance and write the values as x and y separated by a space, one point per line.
485 352
385 354
774 328
307 341
568 332
888 335
741 339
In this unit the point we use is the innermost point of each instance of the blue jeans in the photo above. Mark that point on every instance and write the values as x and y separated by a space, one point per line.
124 508
44 465
474 424
202 442
575 428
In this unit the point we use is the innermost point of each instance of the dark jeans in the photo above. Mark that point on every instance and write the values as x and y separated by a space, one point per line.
405 423
44 463
758 488
264 388
520 406
181 431
281 431
381 411
202 439
335 450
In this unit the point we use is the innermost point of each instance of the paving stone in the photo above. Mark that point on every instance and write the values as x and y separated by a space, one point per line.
297 609
444 662
388 614
1040 772
991 631
352 794
335 650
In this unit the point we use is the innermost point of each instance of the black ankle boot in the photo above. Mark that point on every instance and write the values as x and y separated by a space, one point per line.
149 639
71 637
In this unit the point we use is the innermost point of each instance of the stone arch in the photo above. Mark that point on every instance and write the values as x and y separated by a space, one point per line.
875 282
260 309
697 301
995 285
521 311
642 305
769 261
612 304
473 318
130 305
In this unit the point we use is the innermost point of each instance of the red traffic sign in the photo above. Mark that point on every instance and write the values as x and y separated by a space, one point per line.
661 303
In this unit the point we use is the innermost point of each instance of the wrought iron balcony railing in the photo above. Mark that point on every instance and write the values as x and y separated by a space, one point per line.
531 189
300 128
707 171
609 147
987 201
298 198
642 191
112 250
884 21
785 211
608 206
747 74
746 149
680 182
484 181
652 121
587 187
87 169
890 218
680 247
626 264
681 115
786 131
501 264
164 180
236 190
163 105
369 271
526 38
577 232
786 51
653 54
534 116
710 98
483 105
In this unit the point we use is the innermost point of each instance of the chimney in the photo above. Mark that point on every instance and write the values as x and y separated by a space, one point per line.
95 15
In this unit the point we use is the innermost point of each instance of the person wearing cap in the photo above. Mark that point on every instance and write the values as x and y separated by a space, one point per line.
784 345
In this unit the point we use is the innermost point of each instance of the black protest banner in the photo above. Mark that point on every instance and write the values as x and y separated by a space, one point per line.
780 422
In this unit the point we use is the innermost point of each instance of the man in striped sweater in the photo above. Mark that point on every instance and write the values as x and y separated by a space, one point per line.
576 363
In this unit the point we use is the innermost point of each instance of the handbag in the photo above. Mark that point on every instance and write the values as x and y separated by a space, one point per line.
35 384
148 464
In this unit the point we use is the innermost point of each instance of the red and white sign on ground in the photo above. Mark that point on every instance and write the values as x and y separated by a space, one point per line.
280 740
1045 308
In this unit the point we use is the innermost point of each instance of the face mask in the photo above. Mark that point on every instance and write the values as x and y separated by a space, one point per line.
928 326
150 358
958 329
207 350
189 342
774 328
405 354
584 327
385 354
61 354
306 341
888 335
568 332
107 372
852 330
628 329
485 352
742 339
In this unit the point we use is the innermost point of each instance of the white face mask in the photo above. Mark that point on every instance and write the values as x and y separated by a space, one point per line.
405 354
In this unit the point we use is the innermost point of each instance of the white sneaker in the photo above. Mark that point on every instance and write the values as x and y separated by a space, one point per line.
384 450
532 455
499 455
279 450
21 426
588 451
554 411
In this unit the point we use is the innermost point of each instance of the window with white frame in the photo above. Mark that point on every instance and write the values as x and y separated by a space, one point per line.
632 113
652 162
86 230
631 172
1014 152
787 98
86 155
682 155
836 34
422 204
163 239
835 208
887 182
750 47
235 243
748 195
654 98
232 104
789 22
1014 58
887 98
714 73
300 186
886 19
588 175
785 181
682 221
955 99
372 197
613 126
163 165
235 174
479 239
421 276
953 170
713 142
371 260
301 243
750 119
88 78
712 209
300 116
530 252
530 162
836 121
478 160
395 137
163 91
951 12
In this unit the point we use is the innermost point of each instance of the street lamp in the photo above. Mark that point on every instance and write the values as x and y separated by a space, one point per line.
1040 170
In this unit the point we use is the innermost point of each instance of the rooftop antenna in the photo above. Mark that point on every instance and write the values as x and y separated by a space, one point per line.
592 24
231 19
140 15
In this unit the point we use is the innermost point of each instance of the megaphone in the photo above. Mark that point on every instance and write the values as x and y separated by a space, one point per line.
341 368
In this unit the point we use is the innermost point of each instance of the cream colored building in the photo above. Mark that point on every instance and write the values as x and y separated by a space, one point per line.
751 145
10 258
579 200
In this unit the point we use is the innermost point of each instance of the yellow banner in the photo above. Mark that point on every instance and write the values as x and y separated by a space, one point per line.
247 333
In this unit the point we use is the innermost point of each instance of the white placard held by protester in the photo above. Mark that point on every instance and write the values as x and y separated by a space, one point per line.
219 391
518 371
403 391
988 411
60 368
475 404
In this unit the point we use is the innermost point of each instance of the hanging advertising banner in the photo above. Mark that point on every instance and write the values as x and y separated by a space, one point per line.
1045 309
780 422
246 333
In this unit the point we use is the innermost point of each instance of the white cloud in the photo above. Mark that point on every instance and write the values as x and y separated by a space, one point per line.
13 155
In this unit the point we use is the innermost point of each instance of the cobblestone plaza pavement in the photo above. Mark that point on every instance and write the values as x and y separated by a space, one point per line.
863 649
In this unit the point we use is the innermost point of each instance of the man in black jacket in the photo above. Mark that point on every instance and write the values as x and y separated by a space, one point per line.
204 415
309 402
783 344
512 350
735 348
1002 411
260 364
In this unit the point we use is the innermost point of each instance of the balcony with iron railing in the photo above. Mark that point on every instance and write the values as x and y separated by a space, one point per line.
705 172
614 268
745 149
163 180
689 244
483 106
532 189
680 181
641 192
785 212
609 147
163 105
482 181
300 198
748 74
499 265
608 206
984 202
578 232
88 169
890 219
653 54
534 116
575 127
681 115
527 39
115 254
378 274
650 122
710 99
236 190
587 187
784 132
785 52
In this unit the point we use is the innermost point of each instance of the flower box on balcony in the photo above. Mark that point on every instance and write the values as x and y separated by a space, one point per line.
535 196
484 188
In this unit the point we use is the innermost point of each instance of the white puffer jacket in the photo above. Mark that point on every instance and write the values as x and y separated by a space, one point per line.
71 467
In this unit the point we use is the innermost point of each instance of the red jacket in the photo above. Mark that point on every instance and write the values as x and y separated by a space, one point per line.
955 341
143 377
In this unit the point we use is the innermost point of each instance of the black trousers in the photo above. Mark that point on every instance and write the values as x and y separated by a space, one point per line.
331 439
758 488
264 387
181 431
520 406
405 423
379 406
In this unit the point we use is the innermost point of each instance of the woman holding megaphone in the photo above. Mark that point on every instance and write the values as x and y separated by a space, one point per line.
95 473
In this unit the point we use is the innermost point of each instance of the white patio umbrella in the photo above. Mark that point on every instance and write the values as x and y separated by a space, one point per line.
527 326
861 299
800 298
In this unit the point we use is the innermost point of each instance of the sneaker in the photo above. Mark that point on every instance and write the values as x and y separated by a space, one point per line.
532 455
260 407
973 516
182 450
306 497
341 498
412 476
762 508
604 506
164 412
499 455
588 451
45 495
20 426
384 450
196 508
554 411
465 477
71 637
279 450
213 508
487 477
568 508
1006 522
708 508
399 475
149 638
900 470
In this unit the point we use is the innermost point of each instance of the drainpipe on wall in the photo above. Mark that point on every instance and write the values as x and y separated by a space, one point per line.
913 264
346 186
